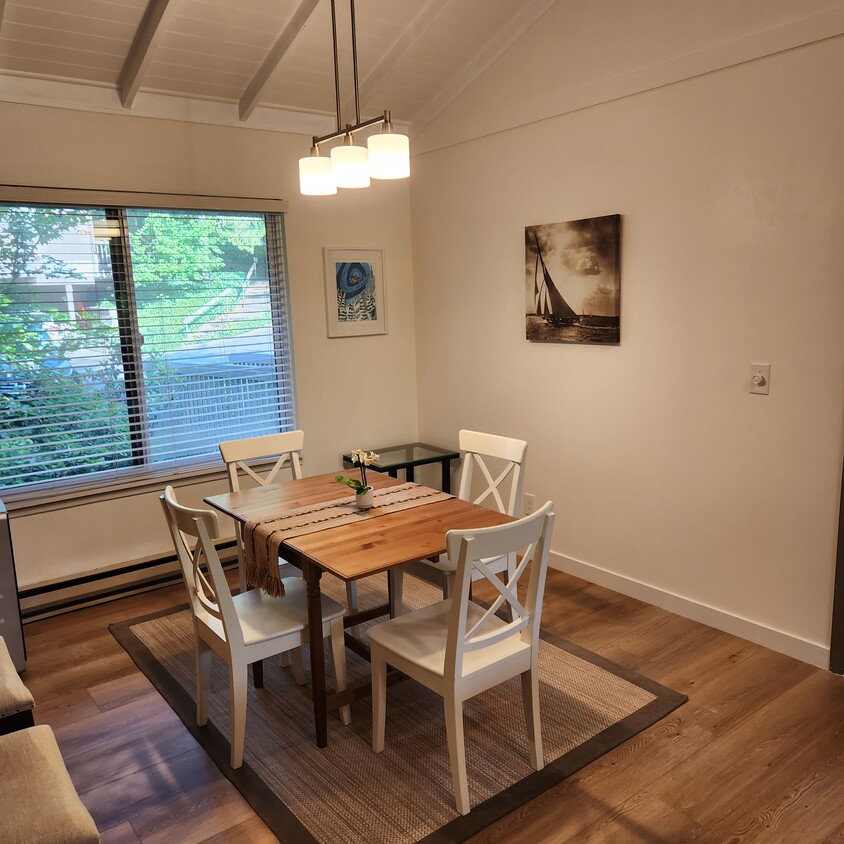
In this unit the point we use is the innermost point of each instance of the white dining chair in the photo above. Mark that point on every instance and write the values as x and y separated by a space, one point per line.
458 648
285 447
246 628
500 486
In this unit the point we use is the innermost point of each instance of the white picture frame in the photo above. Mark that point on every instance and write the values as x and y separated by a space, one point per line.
355 292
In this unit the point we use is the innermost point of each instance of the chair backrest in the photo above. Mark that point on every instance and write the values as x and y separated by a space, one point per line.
476 447
529 537
193 532
285 447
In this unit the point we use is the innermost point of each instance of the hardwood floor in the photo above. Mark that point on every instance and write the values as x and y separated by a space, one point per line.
756 754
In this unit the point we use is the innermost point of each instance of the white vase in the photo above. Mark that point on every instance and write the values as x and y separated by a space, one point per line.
364 499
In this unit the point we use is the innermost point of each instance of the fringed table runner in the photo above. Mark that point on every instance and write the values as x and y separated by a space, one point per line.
262 539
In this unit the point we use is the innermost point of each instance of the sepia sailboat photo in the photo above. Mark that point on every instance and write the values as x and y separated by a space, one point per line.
585 258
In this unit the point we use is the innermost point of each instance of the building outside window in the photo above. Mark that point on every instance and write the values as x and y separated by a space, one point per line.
133 341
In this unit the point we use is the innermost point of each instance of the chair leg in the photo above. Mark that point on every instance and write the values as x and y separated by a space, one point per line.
338 657
530 699
352 603
448 584
379 700
352 596
396 581
510 575
296 665
287 570
203 681
511 567
241 562
238 706
456 751
258 674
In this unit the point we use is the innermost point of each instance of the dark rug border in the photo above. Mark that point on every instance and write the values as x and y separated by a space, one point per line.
289 829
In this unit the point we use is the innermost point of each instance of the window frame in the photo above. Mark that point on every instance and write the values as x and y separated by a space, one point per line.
141 477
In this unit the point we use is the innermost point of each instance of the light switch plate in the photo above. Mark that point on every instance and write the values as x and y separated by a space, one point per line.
760 378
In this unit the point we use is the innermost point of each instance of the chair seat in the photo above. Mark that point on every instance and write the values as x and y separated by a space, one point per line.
444 564
264 618
420 636
14 695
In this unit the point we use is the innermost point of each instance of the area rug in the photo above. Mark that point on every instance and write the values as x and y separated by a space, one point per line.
345 793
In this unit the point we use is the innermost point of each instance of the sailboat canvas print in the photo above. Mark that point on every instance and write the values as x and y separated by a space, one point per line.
572 281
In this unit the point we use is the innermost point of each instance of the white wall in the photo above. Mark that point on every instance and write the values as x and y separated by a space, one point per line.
352 392
670 481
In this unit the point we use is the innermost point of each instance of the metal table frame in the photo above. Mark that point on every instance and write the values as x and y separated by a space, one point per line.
392 468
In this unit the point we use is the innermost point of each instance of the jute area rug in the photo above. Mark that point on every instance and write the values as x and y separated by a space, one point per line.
345 793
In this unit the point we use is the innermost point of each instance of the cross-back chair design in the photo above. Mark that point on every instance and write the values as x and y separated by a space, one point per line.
285 447
502 491
245 628
458 648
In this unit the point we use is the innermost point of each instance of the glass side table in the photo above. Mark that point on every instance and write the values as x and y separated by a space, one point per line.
408 456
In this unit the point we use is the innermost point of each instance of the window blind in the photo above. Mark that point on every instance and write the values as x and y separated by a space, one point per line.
133 341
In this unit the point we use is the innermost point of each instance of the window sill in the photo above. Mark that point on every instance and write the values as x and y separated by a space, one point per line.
27 502
30 502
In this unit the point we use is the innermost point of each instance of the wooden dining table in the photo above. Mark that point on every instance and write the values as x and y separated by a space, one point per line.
350 552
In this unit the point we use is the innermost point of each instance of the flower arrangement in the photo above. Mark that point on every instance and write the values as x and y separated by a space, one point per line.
363 459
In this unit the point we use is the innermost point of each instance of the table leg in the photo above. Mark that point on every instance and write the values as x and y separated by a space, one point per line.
394 595
409 474
446 476
312 577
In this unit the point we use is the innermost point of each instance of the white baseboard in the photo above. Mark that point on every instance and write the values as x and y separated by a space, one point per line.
769 637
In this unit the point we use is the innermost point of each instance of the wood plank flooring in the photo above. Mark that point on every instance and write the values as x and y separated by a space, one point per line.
755 755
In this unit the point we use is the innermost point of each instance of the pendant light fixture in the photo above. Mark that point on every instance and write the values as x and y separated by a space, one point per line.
389 152
315 177
350 164
386 155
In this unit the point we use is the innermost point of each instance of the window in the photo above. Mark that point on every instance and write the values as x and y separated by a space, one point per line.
133 341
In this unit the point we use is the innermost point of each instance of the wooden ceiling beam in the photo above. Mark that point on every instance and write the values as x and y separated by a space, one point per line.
252 95
140 53
418 24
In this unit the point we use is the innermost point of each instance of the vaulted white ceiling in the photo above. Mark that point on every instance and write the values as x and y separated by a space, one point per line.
414 56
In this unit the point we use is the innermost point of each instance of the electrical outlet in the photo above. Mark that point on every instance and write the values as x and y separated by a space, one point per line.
530 503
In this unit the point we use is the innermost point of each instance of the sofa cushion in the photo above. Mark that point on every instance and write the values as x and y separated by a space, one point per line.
14 696
38 802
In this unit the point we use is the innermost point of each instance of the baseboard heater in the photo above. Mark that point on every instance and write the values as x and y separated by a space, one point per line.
74 593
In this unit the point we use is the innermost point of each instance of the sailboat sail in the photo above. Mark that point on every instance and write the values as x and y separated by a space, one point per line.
547 299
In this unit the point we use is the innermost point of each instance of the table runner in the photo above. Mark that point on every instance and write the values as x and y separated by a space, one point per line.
262 539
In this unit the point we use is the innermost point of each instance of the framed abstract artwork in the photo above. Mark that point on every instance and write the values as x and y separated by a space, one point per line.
355 300
572 281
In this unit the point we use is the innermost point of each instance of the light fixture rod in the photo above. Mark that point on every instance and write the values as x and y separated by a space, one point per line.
384 118
350 165
355 62
336 66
